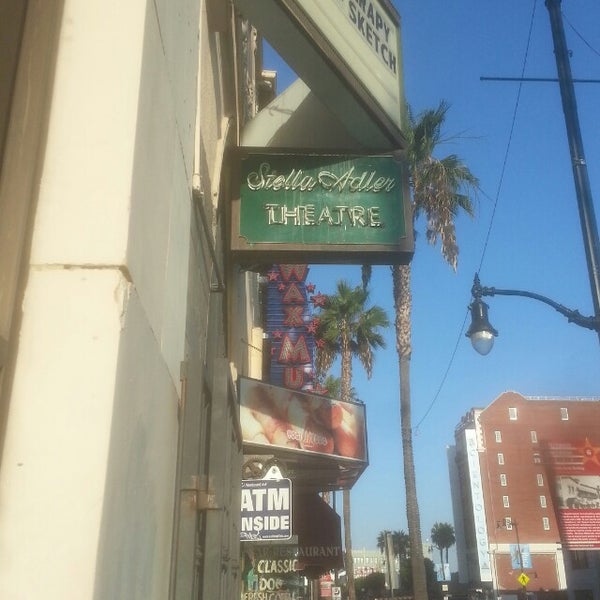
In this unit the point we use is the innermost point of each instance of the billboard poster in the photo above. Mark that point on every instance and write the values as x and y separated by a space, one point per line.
576 469
299 422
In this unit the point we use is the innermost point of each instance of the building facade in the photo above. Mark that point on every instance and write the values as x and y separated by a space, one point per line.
507 468
124 322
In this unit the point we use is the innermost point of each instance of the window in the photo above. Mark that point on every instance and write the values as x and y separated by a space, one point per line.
540 479
543 501
500 458
564 414
503 481
498 436
533 437
508 523
512 413
505 501
537 458
546 523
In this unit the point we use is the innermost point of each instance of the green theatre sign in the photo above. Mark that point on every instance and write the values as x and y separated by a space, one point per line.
321 208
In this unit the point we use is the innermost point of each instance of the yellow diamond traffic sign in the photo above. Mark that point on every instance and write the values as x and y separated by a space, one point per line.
523 579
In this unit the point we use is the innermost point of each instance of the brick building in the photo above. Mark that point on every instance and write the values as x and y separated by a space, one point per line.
525 480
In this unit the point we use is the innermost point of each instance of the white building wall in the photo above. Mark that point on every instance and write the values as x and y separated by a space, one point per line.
88 465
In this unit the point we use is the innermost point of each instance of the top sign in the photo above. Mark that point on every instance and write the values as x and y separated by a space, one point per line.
348 52
366 34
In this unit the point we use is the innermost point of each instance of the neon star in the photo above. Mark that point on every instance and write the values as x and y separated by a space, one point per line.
312 327
319 299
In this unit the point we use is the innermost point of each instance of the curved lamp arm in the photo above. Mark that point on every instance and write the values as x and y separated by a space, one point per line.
574 316
481 332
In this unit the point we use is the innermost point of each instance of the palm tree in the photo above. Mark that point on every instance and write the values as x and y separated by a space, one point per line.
400 543
442 536
440 190
331 386
349 329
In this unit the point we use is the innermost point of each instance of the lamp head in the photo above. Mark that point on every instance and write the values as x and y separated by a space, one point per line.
480 332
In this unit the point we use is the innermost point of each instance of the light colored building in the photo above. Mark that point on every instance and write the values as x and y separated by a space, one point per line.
507 467
119 419
368 561
123 322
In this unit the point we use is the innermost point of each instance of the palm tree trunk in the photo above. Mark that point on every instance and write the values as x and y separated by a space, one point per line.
349 563
402 304
346 356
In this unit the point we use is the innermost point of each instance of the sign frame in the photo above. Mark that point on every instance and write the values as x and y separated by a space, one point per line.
377 249
313 468
273 510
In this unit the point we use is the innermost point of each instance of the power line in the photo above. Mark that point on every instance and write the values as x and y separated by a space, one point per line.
489 231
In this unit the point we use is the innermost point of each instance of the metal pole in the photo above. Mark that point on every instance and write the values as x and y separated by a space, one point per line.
520 555
582 184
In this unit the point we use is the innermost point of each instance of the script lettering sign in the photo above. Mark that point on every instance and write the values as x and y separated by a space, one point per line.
322 203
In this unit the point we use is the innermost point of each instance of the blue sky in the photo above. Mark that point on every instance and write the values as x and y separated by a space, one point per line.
534 240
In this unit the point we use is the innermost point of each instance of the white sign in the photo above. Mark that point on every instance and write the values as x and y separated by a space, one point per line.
360 41
367 37
266 509
485 568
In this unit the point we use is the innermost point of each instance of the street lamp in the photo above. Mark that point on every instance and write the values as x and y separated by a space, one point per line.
482 333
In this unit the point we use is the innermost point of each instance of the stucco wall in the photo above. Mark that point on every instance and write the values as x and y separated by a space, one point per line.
88 472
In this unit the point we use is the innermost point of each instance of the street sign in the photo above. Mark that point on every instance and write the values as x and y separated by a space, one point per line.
523 579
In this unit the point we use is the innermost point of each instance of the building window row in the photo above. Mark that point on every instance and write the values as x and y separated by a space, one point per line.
508 523
513 415
506 501
504 479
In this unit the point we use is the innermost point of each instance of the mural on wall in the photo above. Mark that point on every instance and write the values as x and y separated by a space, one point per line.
576 469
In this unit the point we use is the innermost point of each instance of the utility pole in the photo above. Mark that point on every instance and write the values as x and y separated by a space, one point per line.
585 203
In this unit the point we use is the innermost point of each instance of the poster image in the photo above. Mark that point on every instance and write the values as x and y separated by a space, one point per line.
576 467
301 422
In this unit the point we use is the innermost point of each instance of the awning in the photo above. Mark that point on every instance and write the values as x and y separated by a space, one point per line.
318 528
